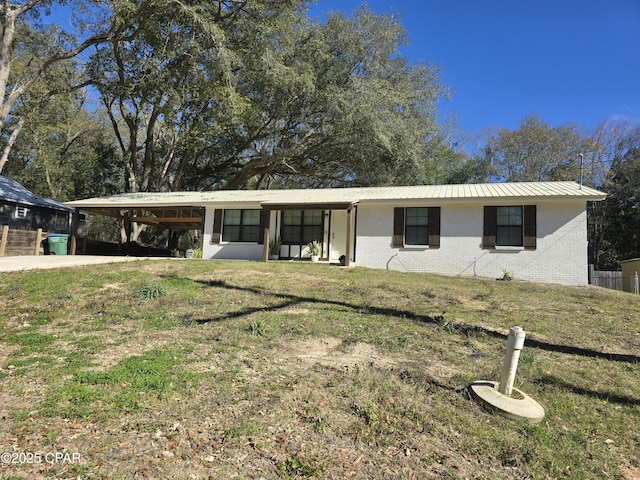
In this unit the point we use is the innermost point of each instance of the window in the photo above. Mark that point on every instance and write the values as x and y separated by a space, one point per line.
416 226
21 212
300 227
61 222
509 226
241 225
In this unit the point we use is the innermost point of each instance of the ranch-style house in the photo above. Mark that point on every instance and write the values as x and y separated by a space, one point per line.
535 231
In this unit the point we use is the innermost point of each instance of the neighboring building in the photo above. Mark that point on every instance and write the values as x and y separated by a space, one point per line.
534 231
630 275
22 210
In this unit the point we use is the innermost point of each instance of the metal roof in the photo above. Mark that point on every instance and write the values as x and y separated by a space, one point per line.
12 191
442 193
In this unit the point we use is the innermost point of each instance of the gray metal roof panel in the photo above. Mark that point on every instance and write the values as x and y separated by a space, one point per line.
14 192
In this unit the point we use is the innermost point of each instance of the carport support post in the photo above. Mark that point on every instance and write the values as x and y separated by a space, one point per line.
36 247
75 222
127 228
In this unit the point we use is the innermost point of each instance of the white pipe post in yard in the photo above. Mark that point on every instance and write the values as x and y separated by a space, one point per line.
636 284
496 397
515 343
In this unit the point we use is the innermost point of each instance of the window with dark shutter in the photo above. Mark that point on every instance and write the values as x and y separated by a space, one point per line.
241 225
419 226
509 226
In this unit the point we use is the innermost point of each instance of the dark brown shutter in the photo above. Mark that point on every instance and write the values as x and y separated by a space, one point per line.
398 227
434 227
490 228
265 218
530 229
217 226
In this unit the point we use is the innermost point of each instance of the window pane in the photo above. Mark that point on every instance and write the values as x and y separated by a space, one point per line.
290 234
250 234
509 216
509 236
251 217
232 217
313 217
416 235
231 233
416 230
417 216
311 233
291 217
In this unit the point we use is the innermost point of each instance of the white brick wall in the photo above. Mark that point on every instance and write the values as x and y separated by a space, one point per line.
244 251
560 256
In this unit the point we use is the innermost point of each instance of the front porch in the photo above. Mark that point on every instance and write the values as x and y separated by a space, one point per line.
294 226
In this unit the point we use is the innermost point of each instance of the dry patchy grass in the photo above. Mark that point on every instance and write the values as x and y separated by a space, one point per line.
289 370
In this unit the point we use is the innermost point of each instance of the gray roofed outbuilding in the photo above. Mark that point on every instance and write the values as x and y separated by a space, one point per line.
12 191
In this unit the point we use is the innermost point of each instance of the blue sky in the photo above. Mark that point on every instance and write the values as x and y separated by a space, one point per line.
568 61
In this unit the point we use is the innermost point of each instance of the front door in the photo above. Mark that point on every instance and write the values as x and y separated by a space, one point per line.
338 234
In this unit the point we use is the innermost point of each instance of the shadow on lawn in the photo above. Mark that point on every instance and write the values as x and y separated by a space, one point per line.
464 329
552 381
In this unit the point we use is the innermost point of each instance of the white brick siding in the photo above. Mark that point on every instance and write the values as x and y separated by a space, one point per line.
560 256
226 250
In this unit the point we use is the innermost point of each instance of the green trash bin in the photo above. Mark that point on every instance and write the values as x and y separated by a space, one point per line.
57 243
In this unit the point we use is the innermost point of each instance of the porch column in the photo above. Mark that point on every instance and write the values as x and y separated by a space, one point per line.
347 254
265 251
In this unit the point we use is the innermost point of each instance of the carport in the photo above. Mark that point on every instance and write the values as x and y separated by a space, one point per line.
170 212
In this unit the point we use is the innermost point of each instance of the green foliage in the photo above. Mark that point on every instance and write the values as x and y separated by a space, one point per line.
150 289
266 96
301 467
274 246
369 412
30 342
126 387
258 327
622 231
314 248
535 152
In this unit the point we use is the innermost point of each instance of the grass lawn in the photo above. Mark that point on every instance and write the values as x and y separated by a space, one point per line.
192 369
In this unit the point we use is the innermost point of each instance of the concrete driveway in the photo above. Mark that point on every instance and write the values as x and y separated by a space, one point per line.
35 262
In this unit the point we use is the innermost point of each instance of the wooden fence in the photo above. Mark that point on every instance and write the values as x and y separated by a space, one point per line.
605 279
20 242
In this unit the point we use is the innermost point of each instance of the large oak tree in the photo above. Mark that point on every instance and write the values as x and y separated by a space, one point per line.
255 94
